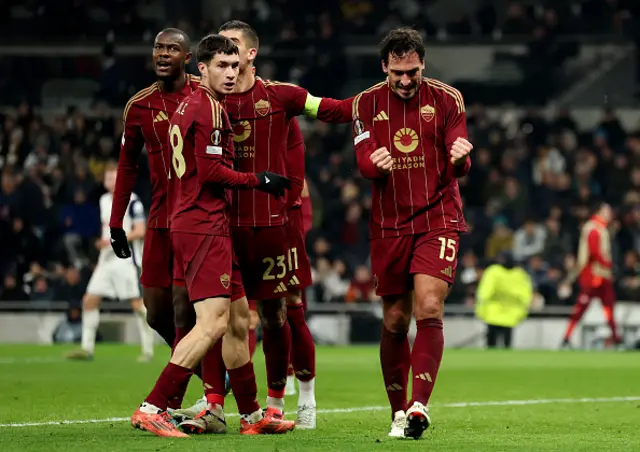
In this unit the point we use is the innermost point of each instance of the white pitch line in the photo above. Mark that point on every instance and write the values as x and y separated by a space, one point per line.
369 408
35 360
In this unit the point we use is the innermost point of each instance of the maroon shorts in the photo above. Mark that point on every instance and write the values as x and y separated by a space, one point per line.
605 293
266 262
395 260
297 234
157 259
205 264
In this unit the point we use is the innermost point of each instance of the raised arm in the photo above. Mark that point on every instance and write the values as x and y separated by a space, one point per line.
211 160
456 127
367 149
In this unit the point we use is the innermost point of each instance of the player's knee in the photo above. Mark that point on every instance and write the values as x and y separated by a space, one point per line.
213 329
293 298
429 307
90 302
397 321
272 313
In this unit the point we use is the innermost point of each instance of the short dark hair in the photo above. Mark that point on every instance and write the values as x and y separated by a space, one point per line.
245 28
178 32
211 45
401 42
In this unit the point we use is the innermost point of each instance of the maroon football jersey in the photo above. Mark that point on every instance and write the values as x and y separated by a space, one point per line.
421 192
261 117
146 122
201 139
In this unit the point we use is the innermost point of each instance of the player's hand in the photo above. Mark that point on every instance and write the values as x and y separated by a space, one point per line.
381 158
460 151
273 183
119 243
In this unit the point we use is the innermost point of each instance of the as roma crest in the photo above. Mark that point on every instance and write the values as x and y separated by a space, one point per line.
262 107
225 280
428 113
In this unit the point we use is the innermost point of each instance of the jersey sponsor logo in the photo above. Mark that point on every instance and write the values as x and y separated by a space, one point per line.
406 140
262 107
241 131
382 116
362 136
225 280
428 112
216 137
162 116
213 150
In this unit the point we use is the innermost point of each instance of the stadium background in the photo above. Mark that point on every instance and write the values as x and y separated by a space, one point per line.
551 90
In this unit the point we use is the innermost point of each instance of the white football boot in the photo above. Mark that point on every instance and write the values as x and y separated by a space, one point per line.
398 425
185 414
417 421
306 417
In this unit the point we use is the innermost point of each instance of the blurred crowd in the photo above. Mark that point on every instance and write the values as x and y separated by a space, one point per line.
532 184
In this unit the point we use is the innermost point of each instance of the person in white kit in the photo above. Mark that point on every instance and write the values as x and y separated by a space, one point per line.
113 277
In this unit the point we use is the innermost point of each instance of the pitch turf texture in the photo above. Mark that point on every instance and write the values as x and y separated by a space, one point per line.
484 401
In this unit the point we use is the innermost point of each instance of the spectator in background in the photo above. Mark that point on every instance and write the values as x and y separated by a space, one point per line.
330 280
69 331
628 282
41 290
80 224
72 287
11 291
500 240
528 241
362 287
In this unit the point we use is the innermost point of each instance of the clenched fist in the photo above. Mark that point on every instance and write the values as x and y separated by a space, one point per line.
381 158
460 150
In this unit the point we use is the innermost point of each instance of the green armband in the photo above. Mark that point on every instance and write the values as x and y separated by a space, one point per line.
312 105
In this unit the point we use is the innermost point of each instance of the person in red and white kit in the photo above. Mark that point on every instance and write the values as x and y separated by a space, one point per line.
594 272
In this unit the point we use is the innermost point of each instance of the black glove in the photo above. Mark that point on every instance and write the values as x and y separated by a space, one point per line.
273 183
119 243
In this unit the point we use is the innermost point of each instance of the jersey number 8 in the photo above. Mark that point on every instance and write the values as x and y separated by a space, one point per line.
175 138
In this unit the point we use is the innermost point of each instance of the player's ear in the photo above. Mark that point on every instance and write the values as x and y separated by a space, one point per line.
385 69
187 58
202 68
252 55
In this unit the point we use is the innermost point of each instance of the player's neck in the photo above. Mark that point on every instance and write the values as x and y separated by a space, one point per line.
172 86
246 80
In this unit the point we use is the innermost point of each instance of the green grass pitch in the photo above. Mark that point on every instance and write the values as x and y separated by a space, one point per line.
484 401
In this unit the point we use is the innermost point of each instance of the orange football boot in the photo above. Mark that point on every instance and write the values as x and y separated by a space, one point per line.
272 423
160 424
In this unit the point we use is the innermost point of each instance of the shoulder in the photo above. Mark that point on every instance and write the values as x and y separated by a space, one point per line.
193 80
274 85
137 98
446 92
364 95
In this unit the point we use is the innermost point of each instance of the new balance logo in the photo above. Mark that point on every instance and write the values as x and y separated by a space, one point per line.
394 387
281 288
162 116
447 271
294 281
424 376
382 116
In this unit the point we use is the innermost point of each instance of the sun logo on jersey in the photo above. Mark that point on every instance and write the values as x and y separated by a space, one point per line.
241 131
406 140
262 107
427 112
